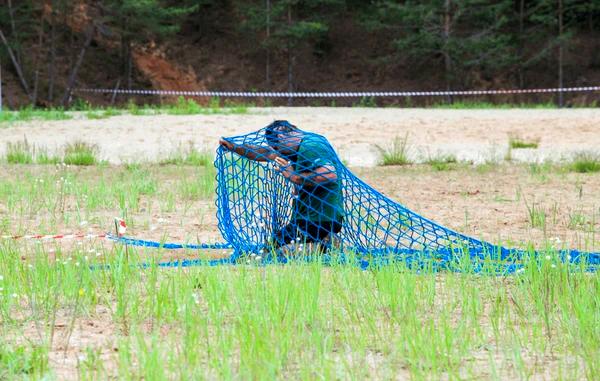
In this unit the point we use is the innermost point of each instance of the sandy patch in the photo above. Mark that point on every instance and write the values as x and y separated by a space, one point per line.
470 135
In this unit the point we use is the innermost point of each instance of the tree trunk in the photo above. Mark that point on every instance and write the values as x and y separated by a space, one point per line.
268 53
16 65
11 15
290 59
38 59
75 69
560 52
521 42
129 66
114 95
445 50
52 60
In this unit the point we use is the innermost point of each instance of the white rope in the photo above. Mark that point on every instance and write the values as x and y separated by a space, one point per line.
389 94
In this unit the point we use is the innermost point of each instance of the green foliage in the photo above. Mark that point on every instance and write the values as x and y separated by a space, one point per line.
30 113
20 152
586 162
292 23
143 20
189 155
515 142
466 34
80 153
22 362
396 153
442 162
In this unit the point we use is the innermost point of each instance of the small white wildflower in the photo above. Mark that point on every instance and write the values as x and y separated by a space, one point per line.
548 257
520 271
14 295
65 263
1 289
98 254
30 266
77 264
569 257
83 223
1 278
262 251
86 258
81 357
258 257
553 266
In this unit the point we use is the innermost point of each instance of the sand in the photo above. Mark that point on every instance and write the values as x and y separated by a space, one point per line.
470 135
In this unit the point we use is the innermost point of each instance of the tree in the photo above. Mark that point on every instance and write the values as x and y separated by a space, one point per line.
285 26
139 21
458 34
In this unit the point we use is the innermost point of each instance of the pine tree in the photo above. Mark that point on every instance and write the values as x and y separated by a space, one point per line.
459 34
285 26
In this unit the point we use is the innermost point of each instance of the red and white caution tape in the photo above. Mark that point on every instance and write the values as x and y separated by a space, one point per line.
50 237
345 94
120 227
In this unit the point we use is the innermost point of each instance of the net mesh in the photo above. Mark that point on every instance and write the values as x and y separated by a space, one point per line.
263 203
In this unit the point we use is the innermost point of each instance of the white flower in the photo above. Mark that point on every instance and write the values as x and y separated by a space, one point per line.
553 266
258 257
1 278
520 270
548 257
14 295
1 289
83 223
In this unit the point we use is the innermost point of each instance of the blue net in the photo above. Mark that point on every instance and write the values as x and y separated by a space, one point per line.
282 190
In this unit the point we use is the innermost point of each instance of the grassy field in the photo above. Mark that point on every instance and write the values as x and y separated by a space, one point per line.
84 310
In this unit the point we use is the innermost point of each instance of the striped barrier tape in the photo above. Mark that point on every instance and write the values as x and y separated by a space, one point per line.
344 94
120 230
49 237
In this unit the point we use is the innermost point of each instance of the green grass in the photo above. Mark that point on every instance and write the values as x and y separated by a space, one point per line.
20 152
189 155
586 162
442 162
81 153
518 143
112 319
29 113
396 153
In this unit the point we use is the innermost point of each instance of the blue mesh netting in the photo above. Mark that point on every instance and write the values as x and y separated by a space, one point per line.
281 186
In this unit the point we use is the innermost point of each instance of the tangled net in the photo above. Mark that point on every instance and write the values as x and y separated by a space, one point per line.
255 202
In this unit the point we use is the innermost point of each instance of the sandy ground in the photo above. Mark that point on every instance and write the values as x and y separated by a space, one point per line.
470 135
